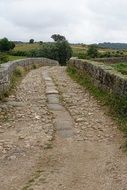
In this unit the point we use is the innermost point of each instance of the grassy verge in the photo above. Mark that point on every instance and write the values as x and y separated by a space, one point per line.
117 105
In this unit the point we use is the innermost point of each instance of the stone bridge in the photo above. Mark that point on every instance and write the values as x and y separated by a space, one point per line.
7 69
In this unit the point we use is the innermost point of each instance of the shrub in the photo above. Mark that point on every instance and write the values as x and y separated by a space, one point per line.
82 56
60 51
31 41
92 51
3 58
18 53
6 45
19 71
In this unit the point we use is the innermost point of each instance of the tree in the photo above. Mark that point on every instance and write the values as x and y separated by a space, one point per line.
40 42
63 47
64 52
31 41
58 37
59 50
12 45
92 51
3 58
6 45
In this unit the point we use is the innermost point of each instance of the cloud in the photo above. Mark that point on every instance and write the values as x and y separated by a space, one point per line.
86 21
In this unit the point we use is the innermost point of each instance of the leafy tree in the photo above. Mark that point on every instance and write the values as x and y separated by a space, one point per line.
64 52
12 45
3 58
58 37
92 51
31 41
59 50
40 42
6 45
48 50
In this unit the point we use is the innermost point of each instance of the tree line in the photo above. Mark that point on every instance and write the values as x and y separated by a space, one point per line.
59 50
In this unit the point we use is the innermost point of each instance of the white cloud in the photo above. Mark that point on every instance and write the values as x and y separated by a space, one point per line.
85 21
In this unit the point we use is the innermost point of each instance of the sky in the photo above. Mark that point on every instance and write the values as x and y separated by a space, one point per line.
80 21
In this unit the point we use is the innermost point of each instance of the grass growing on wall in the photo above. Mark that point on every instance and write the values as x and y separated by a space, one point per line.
117 105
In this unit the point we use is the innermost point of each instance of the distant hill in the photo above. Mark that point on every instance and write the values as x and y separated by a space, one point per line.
118 46
18 42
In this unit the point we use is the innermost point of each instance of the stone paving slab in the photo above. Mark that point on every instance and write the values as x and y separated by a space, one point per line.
51 91
63 121
53 99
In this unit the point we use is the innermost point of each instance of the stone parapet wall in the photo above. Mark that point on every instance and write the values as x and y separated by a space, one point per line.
103 76
7 69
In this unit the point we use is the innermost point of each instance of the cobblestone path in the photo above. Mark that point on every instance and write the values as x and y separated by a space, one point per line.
55 136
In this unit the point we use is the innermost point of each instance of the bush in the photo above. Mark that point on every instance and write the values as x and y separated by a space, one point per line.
92 51
60 51
82 56
19 53
31 41
3 58
6 45
19 71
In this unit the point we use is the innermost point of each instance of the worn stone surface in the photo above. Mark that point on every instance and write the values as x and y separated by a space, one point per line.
75 147
62 119
26 127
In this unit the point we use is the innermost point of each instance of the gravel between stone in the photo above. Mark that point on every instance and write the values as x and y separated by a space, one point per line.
26 129
34 157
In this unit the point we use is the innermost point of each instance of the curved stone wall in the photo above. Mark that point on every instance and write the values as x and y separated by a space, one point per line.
7 69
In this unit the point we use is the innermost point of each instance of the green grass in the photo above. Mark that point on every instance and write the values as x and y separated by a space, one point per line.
117 105
120 67
26 47
13 58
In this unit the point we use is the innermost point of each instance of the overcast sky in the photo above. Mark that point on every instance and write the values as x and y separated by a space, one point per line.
84 21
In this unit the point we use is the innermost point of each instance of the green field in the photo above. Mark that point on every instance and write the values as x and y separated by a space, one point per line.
13 58
76 48
26 47
78 51
120 67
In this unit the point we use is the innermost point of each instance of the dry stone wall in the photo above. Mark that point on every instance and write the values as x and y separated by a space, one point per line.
7 69
103 76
